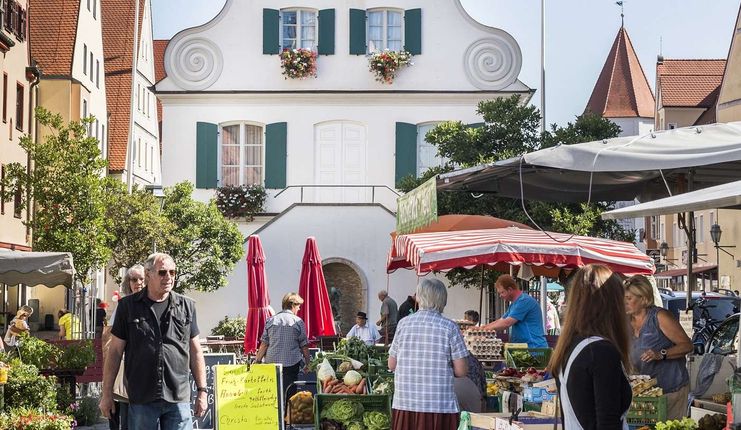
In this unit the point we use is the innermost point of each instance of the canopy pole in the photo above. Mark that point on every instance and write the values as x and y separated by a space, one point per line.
481 295
544 301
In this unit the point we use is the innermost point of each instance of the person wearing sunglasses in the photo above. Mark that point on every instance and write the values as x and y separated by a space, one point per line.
157 330
133 282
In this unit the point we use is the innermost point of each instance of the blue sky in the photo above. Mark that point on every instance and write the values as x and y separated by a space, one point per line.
579 34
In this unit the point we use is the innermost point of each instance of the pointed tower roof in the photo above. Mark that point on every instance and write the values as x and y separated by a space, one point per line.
622 90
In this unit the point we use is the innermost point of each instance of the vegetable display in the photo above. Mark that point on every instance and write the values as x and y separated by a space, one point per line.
383 385
712 422
344 411
301 408
376 421
347 414
684 424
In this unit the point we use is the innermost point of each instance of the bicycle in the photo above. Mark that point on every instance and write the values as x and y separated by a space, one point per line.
705 325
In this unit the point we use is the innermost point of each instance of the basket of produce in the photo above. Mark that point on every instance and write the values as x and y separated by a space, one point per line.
527 357
300 409
647 410
371 412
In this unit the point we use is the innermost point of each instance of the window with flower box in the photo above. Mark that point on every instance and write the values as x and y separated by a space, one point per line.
385 30
298 28
241 155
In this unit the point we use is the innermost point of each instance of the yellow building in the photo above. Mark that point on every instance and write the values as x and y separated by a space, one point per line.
18 83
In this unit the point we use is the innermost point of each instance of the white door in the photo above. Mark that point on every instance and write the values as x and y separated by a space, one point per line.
341 160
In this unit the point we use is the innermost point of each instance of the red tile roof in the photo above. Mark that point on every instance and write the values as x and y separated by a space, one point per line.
118 33
622 90
689 83
159 74
159 59
53 30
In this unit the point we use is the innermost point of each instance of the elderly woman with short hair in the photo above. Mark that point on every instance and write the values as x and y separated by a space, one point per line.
659 345
427 353
284 341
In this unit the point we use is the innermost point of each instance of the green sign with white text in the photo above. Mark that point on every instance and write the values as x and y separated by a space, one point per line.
417 208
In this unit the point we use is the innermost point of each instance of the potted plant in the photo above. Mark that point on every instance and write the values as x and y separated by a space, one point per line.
298 63
237 201
385 64
230 328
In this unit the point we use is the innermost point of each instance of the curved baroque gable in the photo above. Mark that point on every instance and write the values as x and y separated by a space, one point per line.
493 63
194 63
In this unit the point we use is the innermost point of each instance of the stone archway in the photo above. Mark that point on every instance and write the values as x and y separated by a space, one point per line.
347 291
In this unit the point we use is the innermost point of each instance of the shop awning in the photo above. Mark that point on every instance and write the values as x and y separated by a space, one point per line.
443 251
683 271
36 268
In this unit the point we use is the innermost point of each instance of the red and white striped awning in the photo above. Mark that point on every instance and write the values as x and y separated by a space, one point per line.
427 252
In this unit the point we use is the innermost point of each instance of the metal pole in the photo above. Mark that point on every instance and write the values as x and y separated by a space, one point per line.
544 301
481 296
542 66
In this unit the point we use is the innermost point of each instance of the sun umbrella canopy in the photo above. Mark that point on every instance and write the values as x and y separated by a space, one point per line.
257 294
457 222
316 310
427 252
36 268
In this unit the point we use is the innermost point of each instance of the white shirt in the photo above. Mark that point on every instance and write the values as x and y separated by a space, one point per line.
368 334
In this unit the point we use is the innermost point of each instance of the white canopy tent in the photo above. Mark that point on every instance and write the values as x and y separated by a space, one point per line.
36 268
646 167
721 196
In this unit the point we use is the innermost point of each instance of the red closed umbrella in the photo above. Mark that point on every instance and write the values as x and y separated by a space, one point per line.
257 295
316 310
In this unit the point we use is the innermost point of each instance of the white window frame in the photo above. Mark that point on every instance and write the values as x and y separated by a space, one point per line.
385 11
420 138
242 138
299 41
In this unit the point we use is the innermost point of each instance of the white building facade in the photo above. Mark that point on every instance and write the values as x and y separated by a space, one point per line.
331 149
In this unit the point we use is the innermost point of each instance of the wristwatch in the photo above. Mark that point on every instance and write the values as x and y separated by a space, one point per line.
202 389
663 354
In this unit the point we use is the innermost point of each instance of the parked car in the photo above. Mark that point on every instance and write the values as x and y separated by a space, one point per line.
721 305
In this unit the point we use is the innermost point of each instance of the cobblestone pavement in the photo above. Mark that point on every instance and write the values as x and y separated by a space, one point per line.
100 426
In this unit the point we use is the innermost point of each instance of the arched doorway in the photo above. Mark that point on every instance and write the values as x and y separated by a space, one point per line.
347 292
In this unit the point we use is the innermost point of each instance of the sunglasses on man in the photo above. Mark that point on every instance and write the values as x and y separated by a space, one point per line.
163 272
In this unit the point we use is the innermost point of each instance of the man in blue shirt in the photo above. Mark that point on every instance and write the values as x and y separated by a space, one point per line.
523 318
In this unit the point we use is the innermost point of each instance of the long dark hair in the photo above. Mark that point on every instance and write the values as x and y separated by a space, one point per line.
595 307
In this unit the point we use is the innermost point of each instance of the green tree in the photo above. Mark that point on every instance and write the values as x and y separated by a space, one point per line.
66 187
509 130
137 223
203 243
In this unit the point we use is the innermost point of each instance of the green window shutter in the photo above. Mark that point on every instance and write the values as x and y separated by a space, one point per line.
357 32
406 150
326 32
270 31
276 136
207 150
413 31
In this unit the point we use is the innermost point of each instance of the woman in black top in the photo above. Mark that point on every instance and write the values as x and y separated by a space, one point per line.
591 357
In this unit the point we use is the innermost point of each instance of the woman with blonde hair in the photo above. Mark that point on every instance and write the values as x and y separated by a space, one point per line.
591 357
659 345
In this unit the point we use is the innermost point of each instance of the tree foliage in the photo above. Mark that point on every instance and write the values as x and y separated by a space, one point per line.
137 223
204 245
66 187
509 130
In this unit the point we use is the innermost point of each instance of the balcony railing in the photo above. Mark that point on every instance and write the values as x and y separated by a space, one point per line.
324 193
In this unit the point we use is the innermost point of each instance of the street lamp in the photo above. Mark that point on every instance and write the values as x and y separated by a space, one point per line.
664 250
715 233
159 195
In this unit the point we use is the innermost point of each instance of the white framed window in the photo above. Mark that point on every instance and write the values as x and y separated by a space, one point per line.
426 152
84 59
385 30
653 230
298 29
700 229
241 154
139 150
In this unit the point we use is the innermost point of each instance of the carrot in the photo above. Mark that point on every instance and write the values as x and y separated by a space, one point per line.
360 389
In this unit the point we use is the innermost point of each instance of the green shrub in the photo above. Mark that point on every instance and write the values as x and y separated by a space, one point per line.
85 411
38 352
230 327
32 419
77 355
27 389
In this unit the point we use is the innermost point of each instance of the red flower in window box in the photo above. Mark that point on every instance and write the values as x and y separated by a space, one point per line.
298 63
385 64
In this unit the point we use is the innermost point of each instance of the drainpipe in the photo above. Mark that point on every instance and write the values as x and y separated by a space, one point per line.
33 75
131 141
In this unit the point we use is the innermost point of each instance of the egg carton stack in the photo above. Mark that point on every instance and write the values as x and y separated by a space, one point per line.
483 344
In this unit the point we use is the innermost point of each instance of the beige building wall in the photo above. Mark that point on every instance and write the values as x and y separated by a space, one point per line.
14 84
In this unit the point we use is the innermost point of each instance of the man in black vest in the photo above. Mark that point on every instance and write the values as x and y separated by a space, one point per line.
158 331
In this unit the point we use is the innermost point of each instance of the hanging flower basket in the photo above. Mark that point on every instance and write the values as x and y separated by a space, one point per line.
298 63
240 201
386 63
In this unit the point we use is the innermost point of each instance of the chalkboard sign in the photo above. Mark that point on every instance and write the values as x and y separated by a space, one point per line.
249 397
207 420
